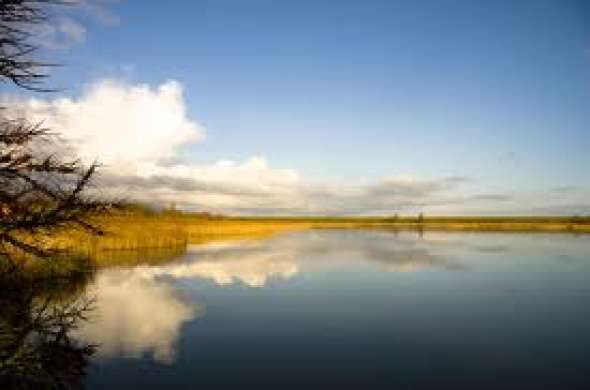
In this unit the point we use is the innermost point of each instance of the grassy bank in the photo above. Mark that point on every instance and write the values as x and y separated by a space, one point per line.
149 232
149 239
131 239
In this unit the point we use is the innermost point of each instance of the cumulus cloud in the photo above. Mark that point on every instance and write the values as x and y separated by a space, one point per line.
128 127
137 131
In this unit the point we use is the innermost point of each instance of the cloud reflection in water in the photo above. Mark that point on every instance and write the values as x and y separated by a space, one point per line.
136 315
254 263
139 311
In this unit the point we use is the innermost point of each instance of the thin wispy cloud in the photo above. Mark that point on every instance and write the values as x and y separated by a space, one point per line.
62 34
565 190
492 197
67 25
509 156
100 10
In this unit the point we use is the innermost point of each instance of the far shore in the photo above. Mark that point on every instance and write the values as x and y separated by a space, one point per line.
129 236
446 223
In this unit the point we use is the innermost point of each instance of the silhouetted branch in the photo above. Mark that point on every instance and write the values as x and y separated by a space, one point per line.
18 18
40 193
39 190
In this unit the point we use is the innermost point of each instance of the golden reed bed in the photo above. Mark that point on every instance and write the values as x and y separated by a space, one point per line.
132 239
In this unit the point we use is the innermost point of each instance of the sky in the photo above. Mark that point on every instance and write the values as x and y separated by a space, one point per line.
371 107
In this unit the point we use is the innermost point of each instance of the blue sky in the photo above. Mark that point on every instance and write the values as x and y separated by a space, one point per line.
349 92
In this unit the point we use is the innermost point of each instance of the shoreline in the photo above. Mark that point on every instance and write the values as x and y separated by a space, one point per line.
508 227
132 232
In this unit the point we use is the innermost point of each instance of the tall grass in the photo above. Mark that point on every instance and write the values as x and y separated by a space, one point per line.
135 238
132 239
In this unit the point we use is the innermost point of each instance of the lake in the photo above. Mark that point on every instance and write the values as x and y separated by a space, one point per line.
333 309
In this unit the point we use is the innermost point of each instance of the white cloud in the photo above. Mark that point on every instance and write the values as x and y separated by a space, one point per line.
137 132
126 127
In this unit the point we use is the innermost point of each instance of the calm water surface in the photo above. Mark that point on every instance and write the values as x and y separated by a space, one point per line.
349 309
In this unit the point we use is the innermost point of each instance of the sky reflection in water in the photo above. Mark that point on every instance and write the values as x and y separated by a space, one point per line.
373 309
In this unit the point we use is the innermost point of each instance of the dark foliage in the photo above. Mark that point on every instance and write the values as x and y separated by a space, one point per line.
17 64
39 191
